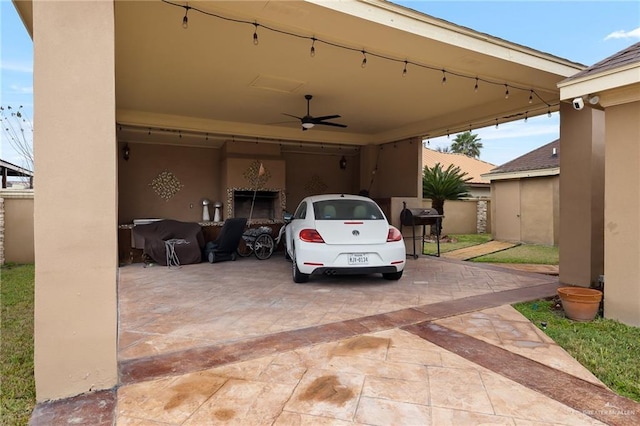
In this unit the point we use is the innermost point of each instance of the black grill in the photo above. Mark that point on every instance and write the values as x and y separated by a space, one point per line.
420 217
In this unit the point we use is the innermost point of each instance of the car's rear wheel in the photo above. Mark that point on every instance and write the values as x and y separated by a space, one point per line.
298 277
395 276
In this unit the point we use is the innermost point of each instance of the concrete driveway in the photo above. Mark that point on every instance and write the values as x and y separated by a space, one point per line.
240 343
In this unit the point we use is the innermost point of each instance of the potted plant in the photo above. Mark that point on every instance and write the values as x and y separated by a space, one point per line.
580 303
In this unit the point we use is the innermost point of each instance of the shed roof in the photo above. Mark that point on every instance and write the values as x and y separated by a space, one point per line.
545 157
472 166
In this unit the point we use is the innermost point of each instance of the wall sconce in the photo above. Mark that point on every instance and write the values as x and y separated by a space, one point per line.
343 163
126 152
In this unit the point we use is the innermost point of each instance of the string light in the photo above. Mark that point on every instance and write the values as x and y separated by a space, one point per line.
526 116
496 123
255 34
185 20
345 47
363 64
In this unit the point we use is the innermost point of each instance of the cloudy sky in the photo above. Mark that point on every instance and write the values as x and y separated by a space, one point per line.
580 31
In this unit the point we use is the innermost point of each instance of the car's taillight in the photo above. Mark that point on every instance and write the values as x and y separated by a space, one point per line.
394 234
311 236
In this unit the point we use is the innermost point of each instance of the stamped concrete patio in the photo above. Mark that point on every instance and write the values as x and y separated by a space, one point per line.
240 343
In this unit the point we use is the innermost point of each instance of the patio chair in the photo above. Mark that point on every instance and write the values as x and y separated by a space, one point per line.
225 246
186 238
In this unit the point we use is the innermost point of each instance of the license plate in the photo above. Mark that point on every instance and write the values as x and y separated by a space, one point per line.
358 259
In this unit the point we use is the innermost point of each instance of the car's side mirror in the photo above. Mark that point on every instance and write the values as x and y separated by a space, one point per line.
288 217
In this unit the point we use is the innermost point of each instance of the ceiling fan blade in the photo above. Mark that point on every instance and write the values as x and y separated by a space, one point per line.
294 116
325 117
325 123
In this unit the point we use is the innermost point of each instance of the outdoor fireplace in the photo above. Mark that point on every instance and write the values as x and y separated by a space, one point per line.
267 203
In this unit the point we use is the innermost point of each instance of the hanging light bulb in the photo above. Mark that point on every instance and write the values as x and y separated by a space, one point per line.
447 133
549 112
312 52
526 116
185 20
255 34
444 77
475 88
364 59
531 96
496 123
404 71
506 91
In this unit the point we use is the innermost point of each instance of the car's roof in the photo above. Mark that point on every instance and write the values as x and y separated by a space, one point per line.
325 197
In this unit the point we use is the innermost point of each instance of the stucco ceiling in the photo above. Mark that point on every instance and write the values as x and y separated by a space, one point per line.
212 79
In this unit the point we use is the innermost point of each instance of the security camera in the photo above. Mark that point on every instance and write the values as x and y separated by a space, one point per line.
578 104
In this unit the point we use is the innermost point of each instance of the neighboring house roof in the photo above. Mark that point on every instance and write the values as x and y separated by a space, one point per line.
472 166
543 161
628 56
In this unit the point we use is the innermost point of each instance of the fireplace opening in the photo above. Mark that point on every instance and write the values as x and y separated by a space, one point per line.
265 204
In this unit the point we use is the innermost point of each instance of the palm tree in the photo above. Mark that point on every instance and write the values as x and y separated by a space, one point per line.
440 185
444 149
467 143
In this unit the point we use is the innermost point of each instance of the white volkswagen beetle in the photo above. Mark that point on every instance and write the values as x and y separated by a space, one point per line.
343 234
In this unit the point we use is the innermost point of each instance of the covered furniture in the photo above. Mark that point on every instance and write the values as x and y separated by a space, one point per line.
225 246
184 240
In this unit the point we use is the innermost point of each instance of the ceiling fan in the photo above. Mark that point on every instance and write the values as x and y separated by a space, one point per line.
308 121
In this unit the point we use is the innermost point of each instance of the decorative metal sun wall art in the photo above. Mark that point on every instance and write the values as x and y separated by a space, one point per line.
315 185
257 175
166 185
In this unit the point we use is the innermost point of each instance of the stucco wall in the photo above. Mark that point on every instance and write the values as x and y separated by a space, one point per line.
582 194
622 214
18 226
75 211
198 170
309 174
398 170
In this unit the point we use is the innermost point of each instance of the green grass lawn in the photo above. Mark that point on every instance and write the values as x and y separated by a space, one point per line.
459 241
605 347
524 253
17 388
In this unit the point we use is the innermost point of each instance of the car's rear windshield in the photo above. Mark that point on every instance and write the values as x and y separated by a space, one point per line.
347 209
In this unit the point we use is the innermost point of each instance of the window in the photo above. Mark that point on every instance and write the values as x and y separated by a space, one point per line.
345 209
301 211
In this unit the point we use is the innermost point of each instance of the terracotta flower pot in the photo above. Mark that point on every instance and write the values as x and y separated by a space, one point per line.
579 303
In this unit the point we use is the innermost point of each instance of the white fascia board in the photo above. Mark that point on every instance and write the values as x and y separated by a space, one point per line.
522 174
407 20
597 83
